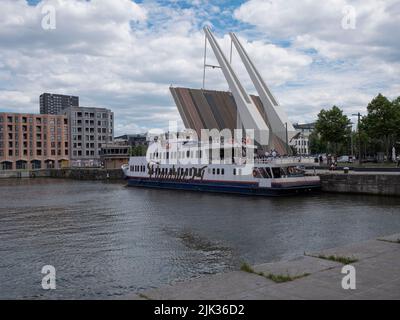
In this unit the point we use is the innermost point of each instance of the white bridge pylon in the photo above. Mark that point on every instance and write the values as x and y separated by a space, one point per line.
279 123
249 114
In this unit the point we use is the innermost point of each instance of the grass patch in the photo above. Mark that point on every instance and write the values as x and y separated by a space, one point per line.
391 241
247 268
278 278
340 259
141 295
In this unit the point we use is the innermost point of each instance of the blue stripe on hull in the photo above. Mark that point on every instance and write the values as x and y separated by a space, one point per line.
244 189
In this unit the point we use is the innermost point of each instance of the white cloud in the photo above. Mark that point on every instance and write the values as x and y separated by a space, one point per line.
349 67
120 55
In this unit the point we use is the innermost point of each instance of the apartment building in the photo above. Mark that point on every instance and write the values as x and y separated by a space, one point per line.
51 103
33 141
300 141
89 128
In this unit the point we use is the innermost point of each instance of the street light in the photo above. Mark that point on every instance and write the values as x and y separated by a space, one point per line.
287 140
359 136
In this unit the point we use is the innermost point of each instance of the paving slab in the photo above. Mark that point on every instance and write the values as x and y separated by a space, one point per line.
393 238
297 266
377 277
212 287
363 250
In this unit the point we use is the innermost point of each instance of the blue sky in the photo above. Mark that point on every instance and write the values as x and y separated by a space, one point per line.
124 55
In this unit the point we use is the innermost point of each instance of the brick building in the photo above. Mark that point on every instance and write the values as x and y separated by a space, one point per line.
33 141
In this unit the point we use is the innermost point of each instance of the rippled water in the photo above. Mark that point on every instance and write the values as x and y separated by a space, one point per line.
106 240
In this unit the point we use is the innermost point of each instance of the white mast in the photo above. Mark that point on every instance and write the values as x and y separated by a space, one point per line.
276 116
249 114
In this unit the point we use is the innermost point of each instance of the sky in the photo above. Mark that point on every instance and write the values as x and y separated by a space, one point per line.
124 54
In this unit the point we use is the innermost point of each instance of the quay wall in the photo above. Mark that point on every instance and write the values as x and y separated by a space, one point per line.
387 184
87 174
375 184
67 173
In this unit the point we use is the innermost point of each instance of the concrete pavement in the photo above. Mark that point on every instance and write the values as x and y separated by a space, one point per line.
377 277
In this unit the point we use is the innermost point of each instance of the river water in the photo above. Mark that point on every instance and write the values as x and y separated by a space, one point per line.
107 240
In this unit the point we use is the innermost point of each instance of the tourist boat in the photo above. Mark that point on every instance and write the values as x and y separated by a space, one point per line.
188 165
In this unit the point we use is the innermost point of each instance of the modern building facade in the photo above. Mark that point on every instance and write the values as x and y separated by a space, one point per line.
33 141
114 155
301 141
55 103
133 140
90 128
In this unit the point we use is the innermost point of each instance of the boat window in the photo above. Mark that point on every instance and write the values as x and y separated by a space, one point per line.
222 171
191 172
277 172
234 171
188 154
218 171
200 153
213 170
186 171
257 173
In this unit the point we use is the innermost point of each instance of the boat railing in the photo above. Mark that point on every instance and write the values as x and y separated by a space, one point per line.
284 160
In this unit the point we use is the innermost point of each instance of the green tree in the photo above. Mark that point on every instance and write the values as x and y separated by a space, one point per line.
316 145
382 122
333 128
138 151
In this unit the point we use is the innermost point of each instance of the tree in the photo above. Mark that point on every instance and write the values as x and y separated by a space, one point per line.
333 128
316 145
138 151
382 121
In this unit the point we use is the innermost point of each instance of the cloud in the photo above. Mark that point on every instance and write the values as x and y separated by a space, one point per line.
349 66
121 55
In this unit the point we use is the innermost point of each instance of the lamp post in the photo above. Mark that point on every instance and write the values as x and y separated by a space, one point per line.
359 136
287 140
